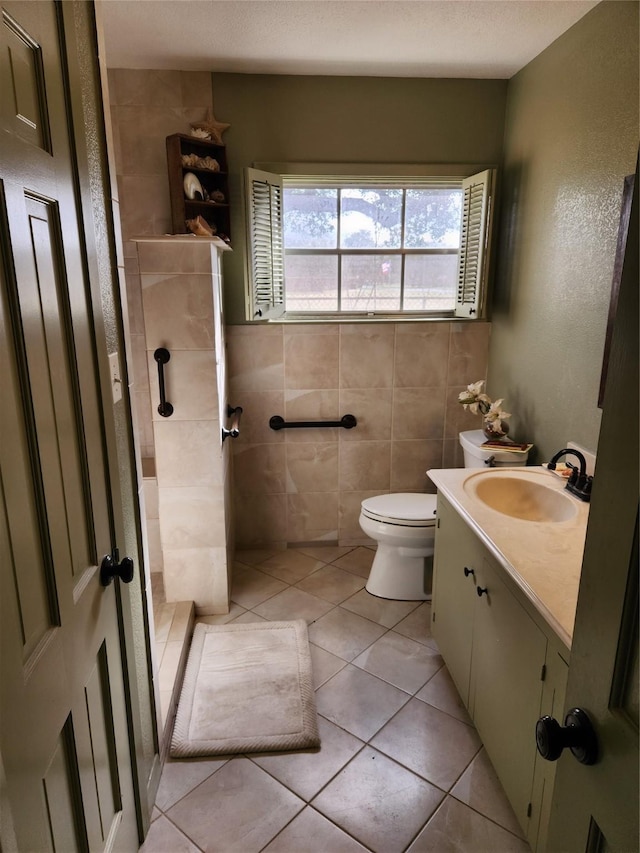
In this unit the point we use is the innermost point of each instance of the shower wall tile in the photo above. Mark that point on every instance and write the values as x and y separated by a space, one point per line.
191 517
198 575
397 379
312 467
366 356
311 361
268 459
421 356
177 296
315 405
365 465
180 258
188 385
410 461
185 453
418 413
313 517
372 407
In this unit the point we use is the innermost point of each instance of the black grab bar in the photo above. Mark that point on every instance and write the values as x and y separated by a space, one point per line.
346 421
162 356
234 428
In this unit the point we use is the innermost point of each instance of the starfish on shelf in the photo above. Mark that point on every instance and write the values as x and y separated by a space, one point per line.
211 126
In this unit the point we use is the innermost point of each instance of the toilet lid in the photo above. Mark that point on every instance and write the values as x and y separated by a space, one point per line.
414 510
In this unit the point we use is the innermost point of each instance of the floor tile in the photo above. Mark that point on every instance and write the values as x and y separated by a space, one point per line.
223 618
417 625
378 802
344 634
310 832
255 556
441 692
429 742
290 566
250 616
305 773
250 586
380 610
180 777
324 665
331 583
237 810
359 702
326 553
455 828
400 661
479 788
164 837
155 814
358 561
293 603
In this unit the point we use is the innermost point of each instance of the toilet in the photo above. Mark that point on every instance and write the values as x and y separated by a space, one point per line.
404 525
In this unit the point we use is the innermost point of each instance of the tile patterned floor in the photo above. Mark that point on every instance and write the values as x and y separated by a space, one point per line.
400 768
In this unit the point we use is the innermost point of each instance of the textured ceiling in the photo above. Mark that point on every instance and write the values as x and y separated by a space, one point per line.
388 38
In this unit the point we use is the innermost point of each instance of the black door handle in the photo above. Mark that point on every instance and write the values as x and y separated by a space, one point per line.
162 356
468 572
112 566
577 734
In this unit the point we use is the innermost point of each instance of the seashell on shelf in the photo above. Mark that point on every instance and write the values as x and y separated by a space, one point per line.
217 196
200 227
199 133
192 187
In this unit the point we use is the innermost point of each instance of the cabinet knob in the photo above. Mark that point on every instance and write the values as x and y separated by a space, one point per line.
482 590
577 734
468 572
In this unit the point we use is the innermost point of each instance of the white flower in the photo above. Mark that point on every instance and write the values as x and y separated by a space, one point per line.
478 403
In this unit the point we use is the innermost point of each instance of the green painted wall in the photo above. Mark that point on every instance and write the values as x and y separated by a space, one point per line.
349 119
571 135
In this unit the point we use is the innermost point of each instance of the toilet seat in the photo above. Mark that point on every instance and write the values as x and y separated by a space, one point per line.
405 509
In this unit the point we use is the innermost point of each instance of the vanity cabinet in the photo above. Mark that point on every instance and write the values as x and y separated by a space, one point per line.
505 661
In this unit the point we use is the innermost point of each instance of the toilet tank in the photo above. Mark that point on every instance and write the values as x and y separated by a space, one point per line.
476 456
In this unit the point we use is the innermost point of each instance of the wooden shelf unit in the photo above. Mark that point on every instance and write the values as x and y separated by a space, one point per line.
217 215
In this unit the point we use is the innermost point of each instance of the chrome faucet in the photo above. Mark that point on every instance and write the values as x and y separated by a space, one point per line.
579 484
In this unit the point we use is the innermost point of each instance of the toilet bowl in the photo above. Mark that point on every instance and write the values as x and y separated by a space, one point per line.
403 525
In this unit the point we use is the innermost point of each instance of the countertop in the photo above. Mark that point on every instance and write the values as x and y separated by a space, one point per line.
543 558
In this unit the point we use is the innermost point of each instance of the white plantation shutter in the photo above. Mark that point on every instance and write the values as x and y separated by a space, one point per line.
477 213
265 258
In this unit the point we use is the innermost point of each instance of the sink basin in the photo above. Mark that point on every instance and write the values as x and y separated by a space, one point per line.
520 496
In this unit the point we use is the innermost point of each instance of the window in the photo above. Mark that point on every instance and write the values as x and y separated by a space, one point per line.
362 247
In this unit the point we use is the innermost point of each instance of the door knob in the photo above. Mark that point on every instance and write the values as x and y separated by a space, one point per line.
112 567
482 590
577 733
468 571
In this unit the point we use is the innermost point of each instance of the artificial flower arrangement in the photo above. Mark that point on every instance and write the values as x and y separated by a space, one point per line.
494 418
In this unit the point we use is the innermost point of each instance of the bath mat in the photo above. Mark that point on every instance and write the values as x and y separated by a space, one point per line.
247 688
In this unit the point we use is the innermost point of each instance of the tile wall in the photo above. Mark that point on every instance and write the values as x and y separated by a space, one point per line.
400 380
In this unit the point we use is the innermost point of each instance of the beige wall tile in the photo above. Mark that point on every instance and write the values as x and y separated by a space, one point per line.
311 361
255 363
421 356
468 353
198 575
316 405
154 545
261 520
410 461
178 311
144 205
134 303
452 454
312 467
365 465
312 517
179 258
366 356
349 513
150 489
418 413
142 86
190 385
257 408
187 453
372 409
259 469
192 517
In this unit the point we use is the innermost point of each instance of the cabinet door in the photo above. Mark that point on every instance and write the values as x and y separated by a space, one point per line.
509 652
456 550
